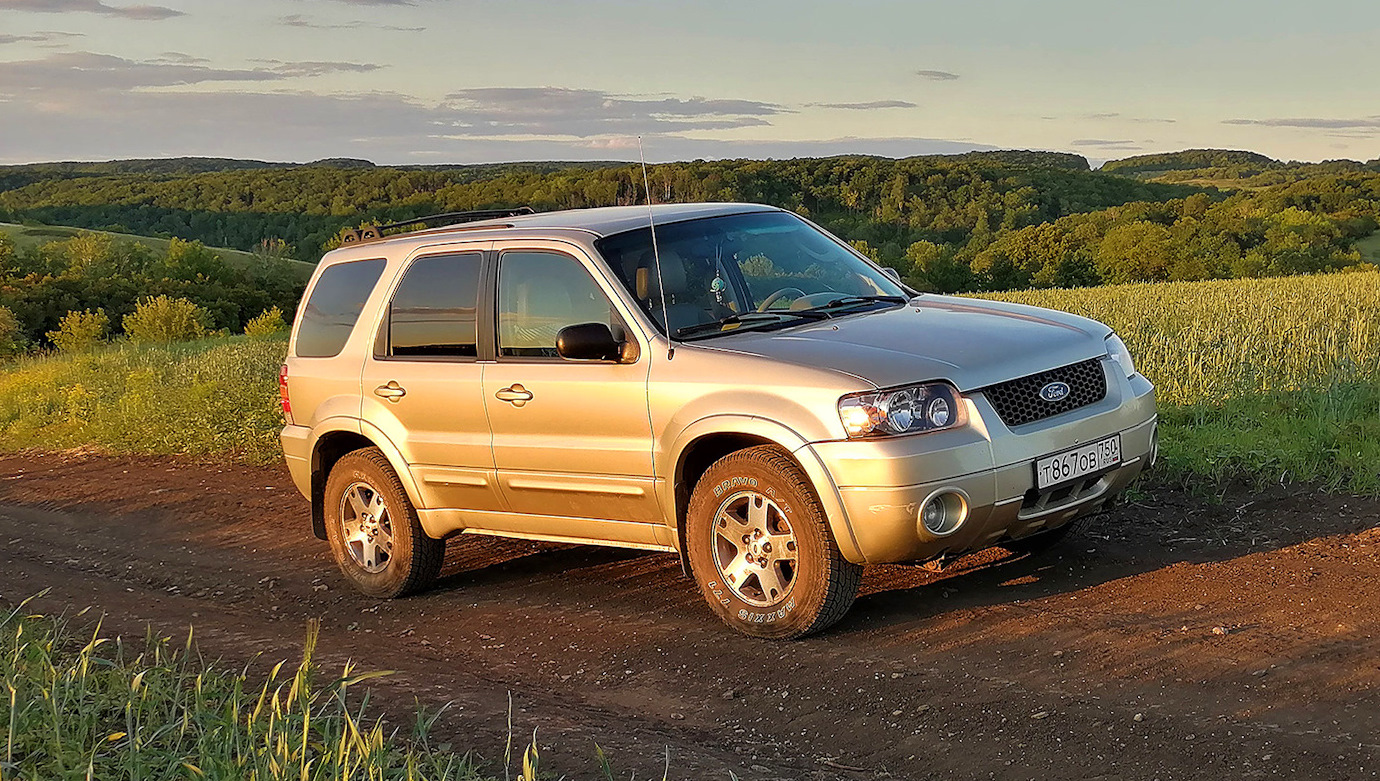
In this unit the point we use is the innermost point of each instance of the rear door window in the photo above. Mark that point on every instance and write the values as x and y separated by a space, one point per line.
334 306
433 309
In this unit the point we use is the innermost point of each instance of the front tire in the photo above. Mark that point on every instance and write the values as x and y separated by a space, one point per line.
373 529
761 550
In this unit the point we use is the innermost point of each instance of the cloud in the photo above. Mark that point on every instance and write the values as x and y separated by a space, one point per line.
298 20
497 111
179 58
875 104
42 36
1313 123
1113 116
383 127
1105 143
937 75
316 67
145 110
1122 118
139 12
72 74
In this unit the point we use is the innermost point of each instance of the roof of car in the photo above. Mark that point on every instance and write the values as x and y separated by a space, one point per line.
603 221
597 222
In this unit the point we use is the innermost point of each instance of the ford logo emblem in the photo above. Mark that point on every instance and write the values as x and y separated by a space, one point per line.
1055 391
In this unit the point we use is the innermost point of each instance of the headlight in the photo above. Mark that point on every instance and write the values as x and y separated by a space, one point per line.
908 410
1116 350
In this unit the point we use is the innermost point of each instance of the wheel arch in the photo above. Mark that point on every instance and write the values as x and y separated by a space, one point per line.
334 444
710 439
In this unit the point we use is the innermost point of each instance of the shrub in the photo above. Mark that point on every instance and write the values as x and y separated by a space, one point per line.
11 336
266 325
164 319
79 331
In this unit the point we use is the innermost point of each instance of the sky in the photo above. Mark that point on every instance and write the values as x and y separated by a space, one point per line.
468 81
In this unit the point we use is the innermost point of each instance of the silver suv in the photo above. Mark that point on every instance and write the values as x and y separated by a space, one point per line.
727 383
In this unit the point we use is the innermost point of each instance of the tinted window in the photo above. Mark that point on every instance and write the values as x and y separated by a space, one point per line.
433 309
334 306
539 293
715 267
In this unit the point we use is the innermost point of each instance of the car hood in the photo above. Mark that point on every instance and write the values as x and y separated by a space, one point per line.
971 343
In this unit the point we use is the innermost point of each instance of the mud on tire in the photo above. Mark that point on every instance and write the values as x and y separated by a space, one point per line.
761 550
373 528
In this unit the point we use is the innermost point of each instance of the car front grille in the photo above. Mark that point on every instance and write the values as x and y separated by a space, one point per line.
1018 401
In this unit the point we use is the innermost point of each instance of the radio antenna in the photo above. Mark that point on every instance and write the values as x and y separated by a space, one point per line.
656 254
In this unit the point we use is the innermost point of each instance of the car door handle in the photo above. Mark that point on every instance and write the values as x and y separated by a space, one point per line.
392 391
514 394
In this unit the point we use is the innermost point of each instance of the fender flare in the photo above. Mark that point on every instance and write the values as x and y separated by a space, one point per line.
787 439
376 437
395 458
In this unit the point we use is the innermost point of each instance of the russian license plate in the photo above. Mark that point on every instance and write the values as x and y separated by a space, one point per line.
1076 463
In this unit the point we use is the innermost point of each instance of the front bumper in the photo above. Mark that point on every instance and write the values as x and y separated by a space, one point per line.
882 483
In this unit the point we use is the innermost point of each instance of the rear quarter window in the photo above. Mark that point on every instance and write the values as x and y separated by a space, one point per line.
334 307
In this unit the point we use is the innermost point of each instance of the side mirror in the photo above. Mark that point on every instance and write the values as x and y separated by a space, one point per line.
891 272
588 342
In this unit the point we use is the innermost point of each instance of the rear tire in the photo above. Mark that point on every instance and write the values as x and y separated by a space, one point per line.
761 550
373 529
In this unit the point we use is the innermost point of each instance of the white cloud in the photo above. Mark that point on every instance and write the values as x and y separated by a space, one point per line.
868 106
139 12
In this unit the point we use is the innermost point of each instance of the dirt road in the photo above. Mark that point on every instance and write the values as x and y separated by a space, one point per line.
1170 641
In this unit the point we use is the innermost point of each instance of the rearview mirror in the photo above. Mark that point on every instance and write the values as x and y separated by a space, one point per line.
891 272
588 342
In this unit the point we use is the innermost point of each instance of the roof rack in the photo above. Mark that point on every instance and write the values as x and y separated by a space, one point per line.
375 232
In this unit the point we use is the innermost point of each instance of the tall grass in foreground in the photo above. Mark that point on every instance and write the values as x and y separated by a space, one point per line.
101 708
1262 379
213 396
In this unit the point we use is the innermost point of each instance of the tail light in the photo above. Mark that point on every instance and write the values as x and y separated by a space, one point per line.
283 393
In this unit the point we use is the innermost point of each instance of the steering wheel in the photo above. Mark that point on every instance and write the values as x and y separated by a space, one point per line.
774 297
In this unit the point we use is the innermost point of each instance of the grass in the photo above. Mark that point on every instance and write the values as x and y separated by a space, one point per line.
1262 379
95 707
29 236
216 396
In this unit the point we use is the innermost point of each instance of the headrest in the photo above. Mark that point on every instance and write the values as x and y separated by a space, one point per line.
673 278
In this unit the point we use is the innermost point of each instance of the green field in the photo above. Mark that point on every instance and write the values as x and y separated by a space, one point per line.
29 236
1263 380
1259 380
1369 247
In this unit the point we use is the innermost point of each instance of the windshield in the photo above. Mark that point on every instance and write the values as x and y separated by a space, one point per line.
756 270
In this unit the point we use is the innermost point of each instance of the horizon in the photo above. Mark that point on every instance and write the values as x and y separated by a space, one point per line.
407 82
1094 165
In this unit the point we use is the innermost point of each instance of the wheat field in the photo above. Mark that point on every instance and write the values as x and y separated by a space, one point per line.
1211 341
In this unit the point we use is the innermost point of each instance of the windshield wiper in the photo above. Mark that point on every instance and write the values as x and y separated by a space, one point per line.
749 318
853 300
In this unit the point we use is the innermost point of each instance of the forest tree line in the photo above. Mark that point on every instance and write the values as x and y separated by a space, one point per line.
97 272
982 221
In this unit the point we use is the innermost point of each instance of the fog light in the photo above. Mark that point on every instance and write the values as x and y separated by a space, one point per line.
943 512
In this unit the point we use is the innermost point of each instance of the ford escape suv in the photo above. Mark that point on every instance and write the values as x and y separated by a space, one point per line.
725 382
